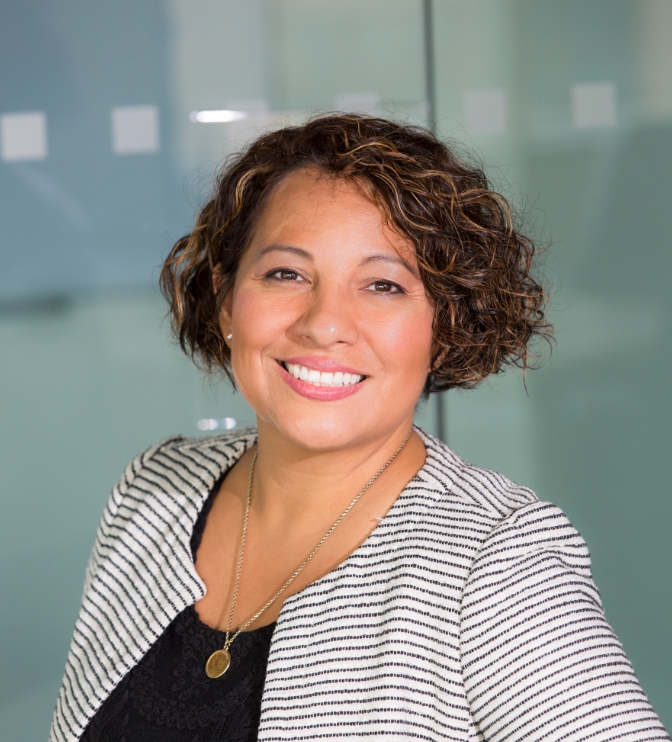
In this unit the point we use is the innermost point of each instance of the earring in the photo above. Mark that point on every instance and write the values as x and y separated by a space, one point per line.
229 336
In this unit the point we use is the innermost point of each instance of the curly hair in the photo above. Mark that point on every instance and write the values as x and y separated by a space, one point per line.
475 266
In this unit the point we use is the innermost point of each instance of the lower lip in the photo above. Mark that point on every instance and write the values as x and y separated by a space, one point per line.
322 393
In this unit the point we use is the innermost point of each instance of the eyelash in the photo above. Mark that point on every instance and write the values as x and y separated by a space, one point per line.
397 288
275 276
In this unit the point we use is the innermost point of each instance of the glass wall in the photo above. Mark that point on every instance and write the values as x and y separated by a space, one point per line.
570 105
103 161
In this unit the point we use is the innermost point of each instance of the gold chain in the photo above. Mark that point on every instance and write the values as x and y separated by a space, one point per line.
230 639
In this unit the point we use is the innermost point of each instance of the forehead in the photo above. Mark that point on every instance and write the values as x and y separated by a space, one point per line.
310 204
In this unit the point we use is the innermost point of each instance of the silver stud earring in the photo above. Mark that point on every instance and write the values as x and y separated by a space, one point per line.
229 336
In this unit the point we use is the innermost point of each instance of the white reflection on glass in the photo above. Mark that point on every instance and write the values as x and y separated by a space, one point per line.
224 423
594 105
135 130
23 136
485 111
216 117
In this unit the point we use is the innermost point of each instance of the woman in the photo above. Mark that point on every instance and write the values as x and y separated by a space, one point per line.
336 572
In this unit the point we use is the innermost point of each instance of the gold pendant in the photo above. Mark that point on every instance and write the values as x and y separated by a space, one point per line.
218 663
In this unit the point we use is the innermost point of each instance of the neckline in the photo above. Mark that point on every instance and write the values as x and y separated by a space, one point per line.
423 473
202 625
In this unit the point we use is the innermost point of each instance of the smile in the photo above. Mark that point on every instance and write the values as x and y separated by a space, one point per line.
321 378
331 383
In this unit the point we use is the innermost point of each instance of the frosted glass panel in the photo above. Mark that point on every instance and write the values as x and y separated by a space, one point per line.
586 153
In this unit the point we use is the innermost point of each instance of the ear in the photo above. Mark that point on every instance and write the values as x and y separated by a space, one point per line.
225 314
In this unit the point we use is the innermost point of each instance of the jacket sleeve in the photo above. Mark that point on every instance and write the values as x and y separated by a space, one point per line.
539 659
80 691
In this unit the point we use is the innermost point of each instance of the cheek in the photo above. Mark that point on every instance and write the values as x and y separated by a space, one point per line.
406 343
257 320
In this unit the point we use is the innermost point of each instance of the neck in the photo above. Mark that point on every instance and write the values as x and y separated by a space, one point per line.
294 484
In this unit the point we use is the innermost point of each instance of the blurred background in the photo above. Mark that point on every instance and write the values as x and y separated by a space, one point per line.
113 119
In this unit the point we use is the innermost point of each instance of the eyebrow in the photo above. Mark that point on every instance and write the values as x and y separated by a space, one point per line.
284 248
391 259
308 256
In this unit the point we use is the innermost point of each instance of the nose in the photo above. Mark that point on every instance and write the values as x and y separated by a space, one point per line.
327 319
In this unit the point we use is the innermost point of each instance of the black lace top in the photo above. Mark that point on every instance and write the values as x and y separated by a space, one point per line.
167 697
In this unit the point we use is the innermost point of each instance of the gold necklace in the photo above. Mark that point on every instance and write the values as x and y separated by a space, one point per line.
219 661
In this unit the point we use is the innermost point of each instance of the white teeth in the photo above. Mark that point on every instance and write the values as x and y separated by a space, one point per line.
326 378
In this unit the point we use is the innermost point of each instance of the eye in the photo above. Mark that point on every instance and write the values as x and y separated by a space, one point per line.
385 287
284 274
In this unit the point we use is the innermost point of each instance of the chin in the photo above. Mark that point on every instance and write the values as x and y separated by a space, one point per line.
323 432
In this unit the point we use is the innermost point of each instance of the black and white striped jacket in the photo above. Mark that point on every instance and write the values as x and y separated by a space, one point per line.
468 614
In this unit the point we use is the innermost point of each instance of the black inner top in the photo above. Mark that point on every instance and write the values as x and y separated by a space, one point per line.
167 697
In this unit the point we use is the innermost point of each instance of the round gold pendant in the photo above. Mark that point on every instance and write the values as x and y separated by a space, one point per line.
218 663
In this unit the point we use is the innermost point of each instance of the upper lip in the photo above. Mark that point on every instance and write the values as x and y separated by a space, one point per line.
321 364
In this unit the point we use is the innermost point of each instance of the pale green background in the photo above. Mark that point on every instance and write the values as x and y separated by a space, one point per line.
88 377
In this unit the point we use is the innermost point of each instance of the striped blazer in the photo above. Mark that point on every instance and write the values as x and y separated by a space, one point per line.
468 614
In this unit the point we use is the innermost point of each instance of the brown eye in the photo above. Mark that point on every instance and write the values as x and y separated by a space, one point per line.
284 274
385 287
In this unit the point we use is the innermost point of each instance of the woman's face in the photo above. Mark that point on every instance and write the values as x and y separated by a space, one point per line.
332 329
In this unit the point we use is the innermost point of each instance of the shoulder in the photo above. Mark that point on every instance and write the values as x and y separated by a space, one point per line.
486 493
535 539
188 451
182 463
161 491
503 521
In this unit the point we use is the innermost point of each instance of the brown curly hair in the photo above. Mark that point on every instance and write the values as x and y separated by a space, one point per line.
475 265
